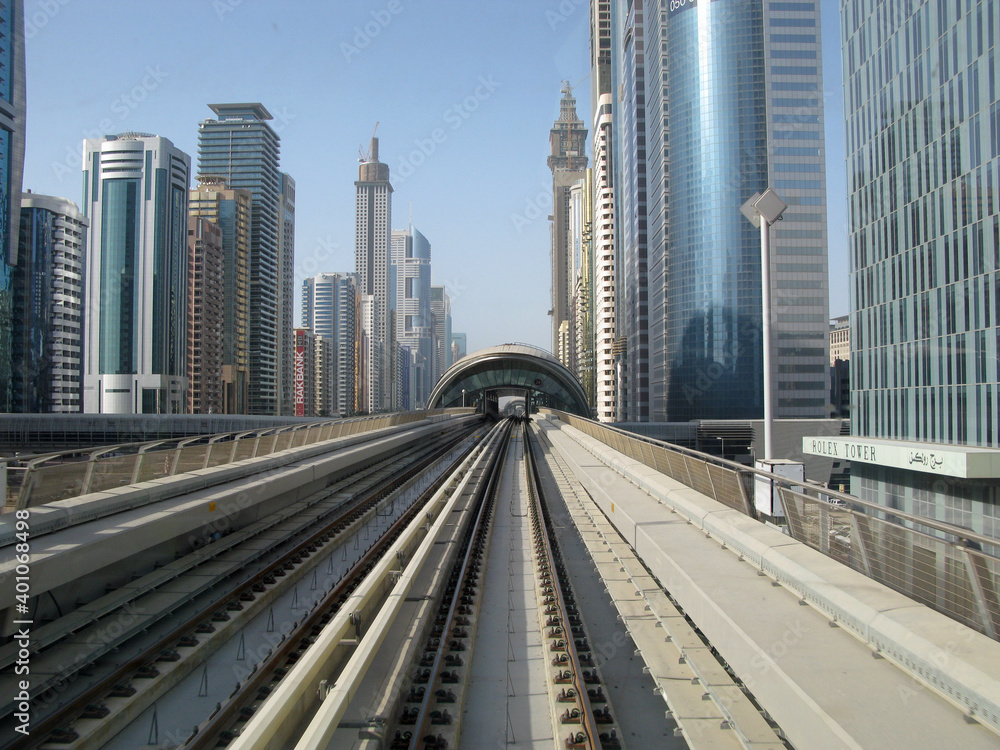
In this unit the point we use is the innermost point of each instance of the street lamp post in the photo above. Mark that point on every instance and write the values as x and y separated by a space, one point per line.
763 210
463 398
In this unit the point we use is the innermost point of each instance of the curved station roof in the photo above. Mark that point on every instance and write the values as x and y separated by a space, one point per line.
511 367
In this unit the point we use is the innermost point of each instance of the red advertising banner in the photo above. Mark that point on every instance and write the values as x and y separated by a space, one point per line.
300 381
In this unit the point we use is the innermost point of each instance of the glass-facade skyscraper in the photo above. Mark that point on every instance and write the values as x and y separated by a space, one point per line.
135 193
441 312
12 111
48 306
242 148
230 210
411 283
922 104
631 263
733 104
330 305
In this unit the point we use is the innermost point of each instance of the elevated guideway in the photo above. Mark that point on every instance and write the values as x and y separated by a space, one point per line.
449 583
821 684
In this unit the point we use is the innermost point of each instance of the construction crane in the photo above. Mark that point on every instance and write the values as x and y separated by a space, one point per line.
573 87
363 155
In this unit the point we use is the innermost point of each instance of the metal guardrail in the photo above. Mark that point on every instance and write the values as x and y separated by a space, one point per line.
949 568
67 474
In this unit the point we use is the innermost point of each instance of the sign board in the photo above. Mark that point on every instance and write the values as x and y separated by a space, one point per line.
966 462
300 381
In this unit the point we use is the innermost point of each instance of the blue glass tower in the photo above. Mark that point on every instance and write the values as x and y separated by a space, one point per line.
410 285
135 193
12 109
732 105
242 148
631 276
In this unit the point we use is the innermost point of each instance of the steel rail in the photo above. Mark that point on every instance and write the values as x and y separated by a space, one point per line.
544 544
292 701
125 672
209 735
485 499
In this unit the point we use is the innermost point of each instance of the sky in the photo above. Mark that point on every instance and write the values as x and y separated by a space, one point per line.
464 95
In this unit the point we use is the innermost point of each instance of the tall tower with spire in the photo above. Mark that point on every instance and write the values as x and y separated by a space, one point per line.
373 217
568 162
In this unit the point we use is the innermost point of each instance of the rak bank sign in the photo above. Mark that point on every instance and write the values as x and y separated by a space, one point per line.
300 381
965 462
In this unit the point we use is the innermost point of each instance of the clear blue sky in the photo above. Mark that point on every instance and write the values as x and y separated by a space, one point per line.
465 94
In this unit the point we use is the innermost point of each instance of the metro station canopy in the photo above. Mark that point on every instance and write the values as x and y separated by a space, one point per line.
506 368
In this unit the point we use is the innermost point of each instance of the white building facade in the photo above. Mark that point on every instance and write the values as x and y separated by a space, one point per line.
603 239
373 221
136 196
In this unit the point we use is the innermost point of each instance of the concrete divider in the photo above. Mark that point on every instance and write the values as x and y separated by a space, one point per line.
957 662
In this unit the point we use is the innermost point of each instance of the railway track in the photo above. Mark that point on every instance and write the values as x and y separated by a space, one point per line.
115 670
411 690
586 719
431 714
225 726
429 717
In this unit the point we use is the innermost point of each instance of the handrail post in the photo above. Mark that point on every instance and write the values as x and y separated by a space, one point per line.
978 590
24 495
88 478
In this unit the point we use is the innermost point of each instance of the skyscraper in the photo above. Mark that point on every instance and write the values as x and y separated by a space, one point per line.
286 262
604 258
330 308
242 148
135 192
441 312
411 264
46 362
581 269
230 209
12 109
603 300
206 306
922 102
568 162
459 346
373 222
628 66
733 105
369 364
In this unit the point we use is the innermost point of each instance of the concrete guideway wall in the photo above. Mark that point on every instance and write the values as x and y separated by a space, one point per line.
953 660
225 496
